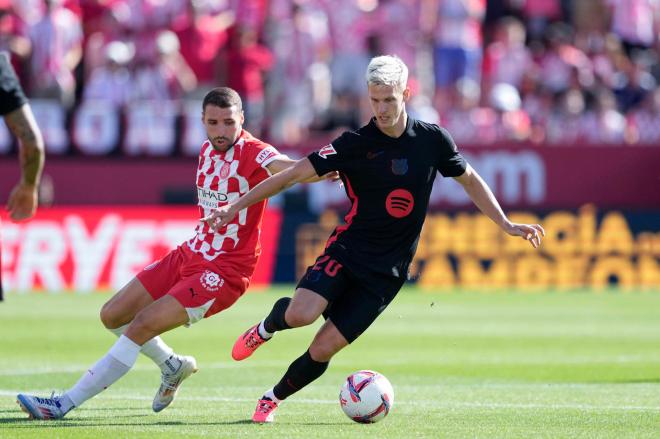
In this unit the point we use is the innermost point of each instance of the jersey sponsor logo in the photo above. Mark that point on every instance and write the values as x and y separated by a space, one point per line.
399 203
326 151
265 154
211 281
224 170
399 166
373 154
210 199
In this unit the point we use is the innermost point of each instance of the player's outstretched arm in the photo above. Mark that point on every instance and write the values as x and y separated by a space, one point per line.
301 171
483 198
22 201
279 165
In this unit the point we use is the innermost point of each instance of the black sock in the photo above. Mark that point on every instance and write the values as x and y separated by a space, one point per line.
275 320
302 371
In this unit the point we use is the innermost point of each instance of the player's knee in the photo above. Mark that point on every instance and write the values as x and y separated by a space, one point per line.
297 316
109 317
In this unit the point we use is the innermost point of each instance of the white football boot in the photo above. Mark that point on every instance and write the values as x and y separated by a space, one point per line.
170 382
40 408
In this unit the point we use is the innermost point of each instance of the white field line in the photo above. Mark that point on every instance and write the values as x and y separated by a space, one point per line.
419 403
79 368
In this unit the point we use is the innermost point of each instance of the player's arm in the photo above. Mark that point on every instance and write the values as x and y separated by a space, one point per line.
23 198
483 198
280 164
300 172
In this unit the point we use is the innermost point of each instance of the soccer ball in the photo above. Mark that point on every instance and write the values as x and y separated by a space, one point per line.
366 396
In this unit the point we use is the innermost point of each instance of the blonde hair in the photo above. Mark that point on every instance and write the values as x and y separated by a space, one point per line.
387 70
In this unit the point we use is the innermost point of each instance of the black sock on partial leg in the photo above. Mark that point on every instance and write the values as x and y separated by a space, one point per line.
301 372
275 321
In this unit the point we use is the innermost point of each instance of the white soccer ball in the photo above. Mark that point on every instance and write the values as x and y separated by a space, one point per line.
366 396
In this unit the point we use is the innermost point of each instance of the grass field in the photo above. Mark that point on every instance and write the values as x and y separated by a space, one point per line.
551 365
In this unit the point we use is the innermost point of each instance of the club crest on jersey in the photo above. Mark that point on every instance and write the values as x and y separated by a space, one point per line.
211 281
326 151
399 166
224 170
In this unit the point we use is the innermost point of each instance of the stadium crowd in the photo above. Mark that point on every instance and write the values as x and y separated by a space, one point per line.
542 71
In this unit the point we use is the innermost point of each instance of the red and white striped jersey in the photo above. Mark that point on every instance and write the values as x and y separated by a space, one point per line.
222 177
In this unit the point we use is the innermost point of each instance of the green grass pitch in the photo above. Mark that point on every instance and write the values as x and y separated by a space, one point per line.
543 365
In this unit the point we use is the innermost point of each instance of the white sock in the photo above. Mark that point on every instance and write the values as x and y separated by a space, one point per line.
156 349
270 395
170 365
120 359
65 403
263 333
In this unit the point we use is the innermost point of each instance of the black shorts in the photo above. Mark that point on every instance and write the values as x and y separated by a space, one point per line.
354 301
11 93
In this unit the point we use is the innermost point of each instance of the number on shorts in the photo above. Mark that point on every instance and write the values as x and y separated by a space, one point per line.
331 268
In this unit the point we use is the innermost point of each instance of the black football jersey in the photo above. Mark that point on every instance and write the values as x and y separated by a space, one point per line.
388 182
11 93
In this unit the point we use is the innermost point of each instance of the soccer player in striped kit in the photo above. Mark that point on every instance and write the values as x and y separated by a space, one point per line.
198 279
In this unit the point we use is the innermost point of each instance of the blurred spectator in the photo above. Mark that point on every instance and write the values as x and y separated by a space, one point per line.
349 28
513 122
165 76
245 64
507 58
342 115
293 80
56 51
13 37
538 14
561 58
644 122
250 13
604 124
564 124
394 22
455 29
634 84
112 81
636 22
202 35
467 121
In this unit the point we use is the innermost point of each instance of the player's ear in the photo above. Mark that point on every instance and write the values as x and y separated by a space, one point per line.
242 117
406 94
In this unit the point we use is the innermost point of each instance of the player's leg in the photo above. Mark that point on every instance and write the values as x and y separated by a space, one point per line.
119 311
305 369
322 282
347 317
203 293
161 316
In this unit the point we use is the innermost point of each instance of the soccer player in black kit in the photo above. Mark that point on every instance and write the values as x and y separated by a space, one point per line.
387 167
17 114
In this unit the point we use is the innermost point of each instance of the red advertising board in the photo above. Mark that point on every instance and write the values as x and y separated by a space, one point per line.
90 248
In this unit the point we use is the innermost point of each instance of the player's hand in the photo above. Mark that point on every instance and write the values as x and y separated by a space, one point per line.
220 217
22 202
529 232
332 176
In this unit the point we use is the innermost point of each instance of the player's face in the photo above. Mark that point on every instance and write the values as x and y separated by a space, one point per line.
387 103
223 125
